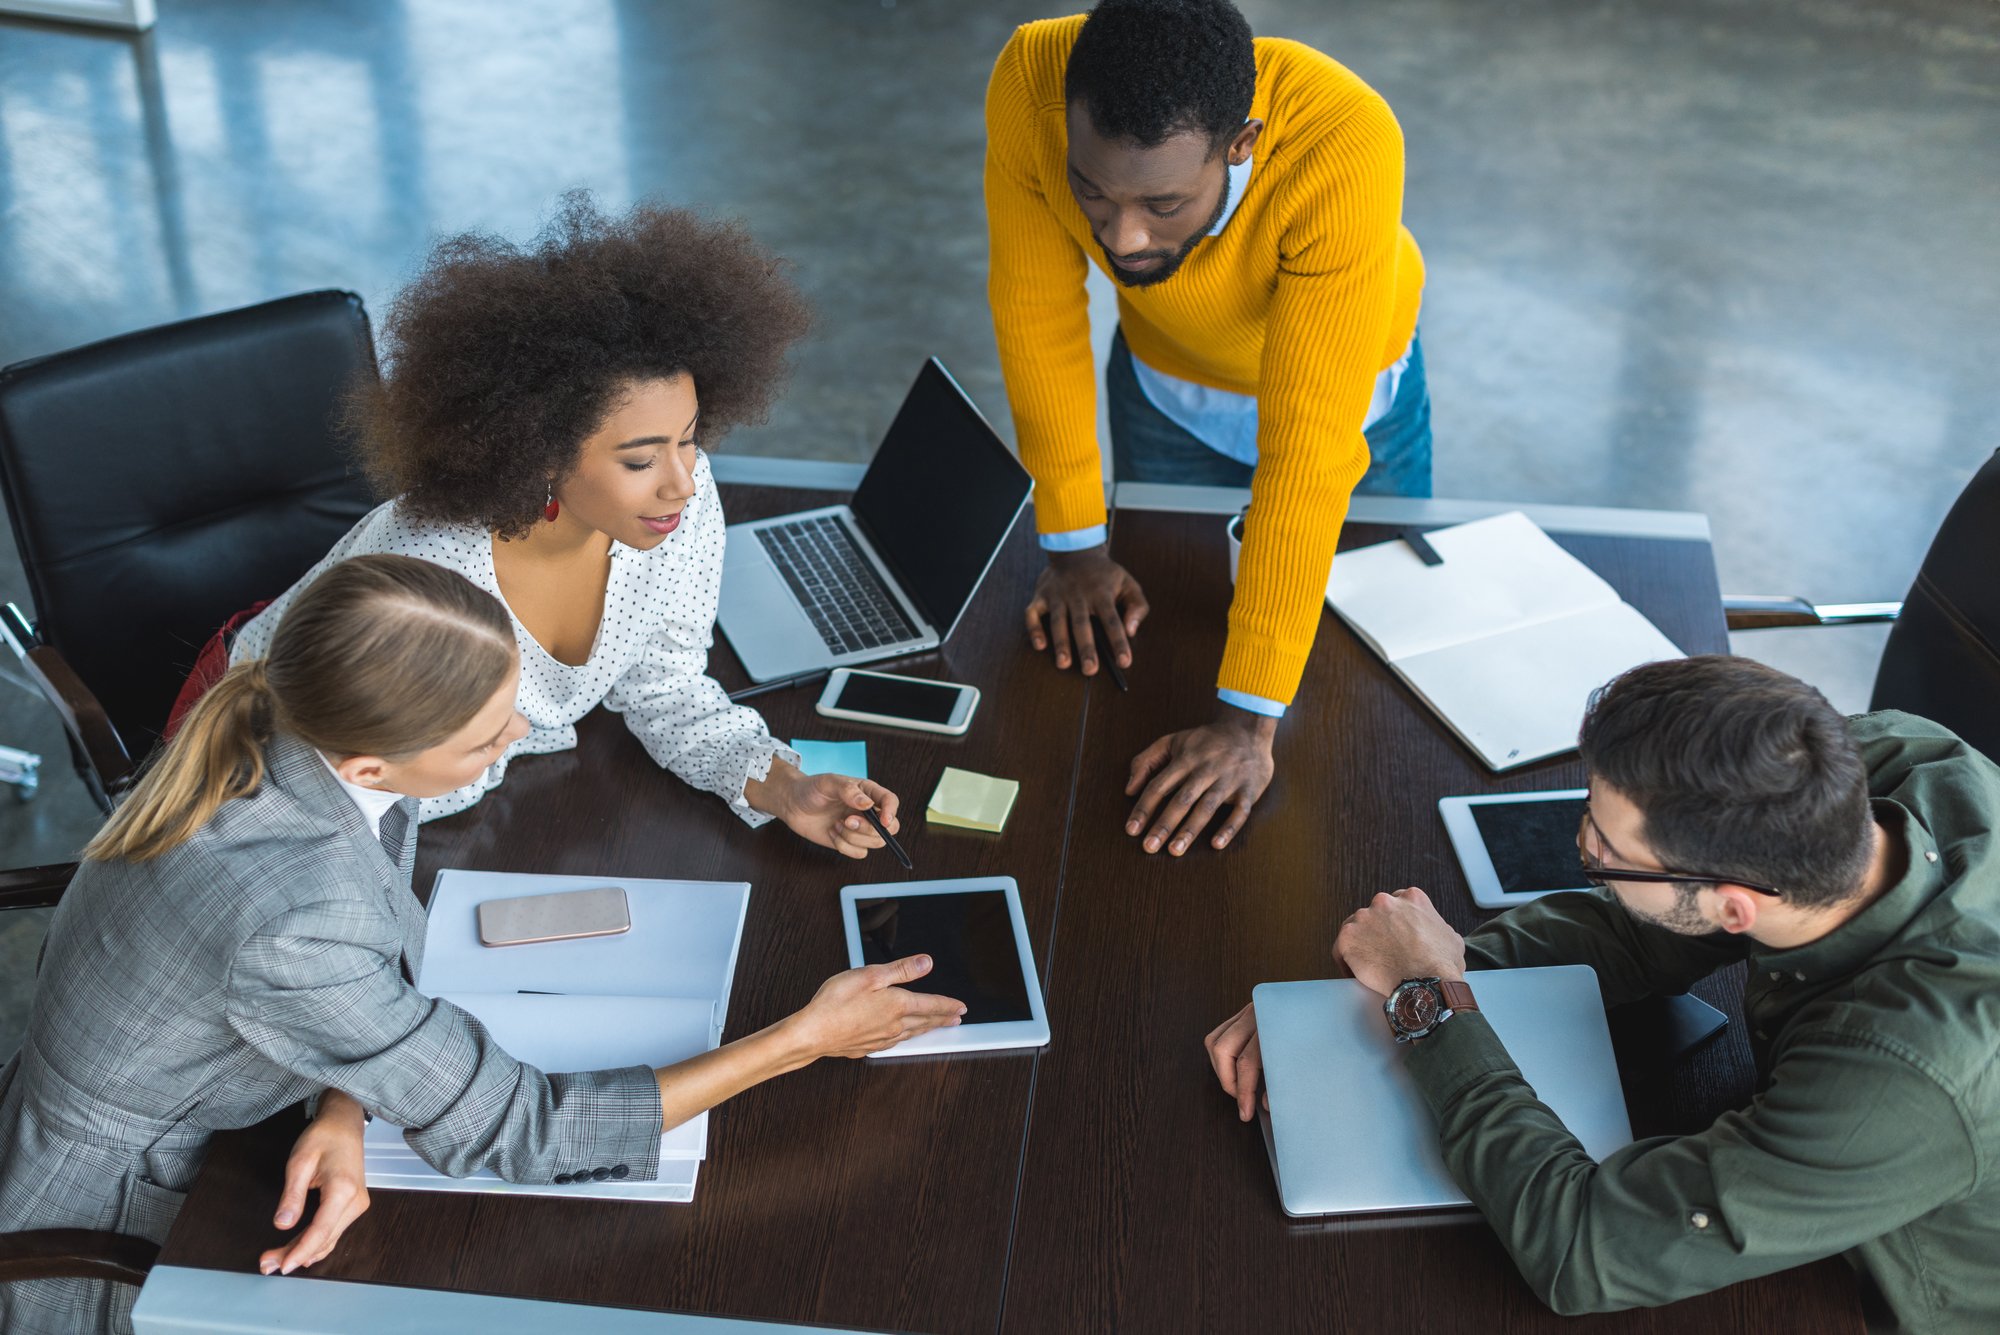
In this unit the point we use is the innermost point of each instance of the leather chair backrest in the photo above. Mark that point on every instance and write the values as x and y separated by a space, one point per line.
1943 656
162 481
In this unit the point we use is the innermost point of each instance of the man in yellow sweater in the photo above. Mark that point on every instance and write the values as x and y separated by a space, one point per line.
1246 196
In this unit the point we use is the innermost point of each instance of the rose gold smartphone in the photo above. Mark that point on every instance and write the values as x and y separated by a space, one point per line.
567 915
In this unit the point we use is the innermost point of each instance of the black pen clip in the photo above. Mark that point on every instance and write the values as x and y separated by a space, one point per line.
1421 546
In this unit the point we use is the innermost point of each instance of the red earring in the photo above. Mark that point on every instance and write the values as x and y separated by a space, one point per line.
552 509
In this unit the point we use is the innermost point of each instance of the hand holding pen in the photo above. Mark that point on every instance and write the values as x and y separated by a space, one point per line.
1110 659
853 817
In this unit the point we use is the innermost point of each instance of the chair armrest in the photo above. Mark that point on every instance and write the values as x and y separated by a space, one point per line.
1756 611
34 887
76 1253
82 715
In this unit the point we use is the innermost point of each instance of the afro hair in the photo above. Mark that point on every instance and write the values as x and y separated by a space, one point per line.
501 359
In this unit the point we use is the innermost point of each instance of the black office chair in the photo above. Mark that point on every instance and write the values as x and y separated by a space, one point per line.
161 482
1943 657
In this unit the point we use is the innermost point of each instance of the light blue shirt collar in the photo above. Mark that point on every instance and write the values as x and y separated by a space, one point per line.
1239 181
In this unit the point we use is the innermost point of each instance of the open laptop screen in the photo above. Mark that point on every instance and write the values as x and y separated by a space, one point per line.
939 497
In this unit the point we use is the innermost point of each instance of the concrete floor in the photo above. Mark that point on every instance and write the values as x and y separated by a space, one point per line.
1736 256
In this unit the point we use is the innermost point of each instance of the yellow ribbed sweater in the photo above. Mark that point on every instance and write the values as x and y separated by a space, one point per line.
1310 291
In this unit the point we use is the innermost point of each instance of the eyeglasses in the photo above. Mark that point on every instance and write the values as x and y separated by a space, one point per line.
1600 875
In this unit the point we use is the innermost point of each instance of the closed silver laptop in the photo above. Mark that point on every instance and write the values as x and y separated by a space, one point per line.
892 571
1349 1132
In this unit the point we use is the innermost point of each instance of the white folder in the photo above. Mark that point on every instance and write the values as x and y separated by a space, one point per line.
651 996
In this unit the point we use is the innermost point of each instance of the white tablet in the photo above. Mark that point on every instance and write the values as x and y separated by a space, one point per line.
977 939
1516 846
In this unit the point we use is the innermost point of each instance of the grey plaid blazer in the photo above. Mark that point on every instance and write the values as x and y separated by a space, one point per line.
269 957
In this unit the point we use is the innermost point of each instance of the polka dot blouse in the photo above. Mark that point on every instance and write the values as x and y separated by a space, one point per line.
648 662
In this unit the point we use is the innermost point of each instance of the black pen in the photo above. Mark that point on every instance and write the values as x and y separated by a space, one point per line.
782 684
888 838
1110 658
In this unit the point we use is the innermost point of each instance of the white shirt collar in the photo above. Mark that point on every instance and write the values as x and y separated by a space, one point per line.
374 803
1239 181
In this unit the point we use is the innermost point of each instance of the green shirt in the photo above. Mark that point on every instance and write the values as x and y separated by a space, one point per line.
1875 1131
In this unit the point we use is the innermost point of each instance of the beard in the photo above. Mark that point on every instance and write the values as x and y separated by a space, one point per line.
1175 259
1683 918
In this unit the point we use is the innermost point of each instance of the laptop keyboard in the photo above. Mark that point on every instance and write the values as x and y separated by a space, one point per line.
850 606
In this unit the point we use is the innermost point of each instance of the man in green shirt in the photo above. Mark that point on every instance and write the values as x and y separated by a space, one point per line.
1855 864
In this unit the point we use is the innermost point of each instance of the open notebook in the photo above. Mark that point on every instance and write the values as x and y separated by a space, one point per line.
651 996
1505 640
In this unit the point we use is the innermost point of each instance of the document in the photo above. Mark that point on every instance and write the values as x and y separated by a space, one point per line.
972 801
651 996
1505 640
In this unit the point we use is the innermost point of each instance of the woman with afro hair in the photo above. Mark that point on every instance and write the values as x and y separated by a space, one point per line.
540 424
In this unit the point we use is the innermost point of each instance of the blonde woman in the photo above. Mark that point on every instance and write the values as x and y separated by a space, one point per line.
242 936
540 425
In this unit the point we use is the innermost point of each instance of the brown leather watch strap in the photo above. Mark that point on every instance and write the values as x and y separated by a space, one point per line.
1457 995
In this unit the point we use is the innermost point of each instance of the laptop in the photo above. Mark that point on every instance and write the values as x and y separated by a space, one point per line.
892 571
1348 1131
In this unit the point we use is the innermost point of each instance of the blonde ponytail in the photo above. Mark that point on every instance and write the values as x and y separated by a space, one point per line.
381 655
217 755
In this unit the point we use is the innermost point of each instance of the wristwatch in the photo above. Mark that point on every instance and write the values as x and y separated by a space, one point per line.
1419 1005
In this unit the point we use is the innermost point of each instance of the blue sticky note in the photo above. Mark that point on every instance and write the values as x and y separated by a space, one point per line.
850 758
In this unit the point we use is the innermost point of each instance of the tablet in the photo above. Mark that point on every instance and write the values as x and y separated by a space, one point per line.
977 938
1516 846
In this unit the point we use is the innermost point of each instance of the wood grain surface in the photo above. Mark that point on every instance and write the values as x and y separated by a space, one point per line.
1105 1183
875 1194
1146 1205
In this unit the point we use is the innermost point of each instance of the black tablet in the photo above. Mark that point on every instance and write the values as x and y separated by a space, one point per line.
977 938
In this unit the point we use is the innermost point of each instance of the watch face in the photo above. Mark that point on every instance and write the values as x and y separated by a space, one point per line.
1416 1008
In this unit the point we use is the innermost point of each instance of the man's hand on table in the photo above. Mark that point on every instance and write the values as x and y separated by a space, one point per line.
1238 1060
1184 780
327 1157
1072 587
1399 936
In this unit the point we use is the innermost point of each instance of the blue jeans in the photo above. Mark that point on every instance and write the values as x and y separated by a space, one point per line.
1149 446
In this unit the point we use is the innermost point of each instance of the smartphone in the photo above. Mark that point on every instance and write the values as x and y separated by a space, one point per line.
567 915
1665 1027
898 702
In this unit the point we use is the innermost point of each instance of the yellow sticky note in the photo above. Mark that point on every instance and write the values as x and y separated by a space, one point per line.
972 801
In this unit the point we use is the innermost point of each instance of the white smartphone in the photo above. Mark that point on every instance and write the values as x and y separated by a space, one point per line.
898 702
567 915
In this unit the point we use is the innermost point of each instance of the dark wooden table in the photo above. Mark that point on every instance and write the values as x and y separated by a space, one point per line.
1145 1205
1104 1183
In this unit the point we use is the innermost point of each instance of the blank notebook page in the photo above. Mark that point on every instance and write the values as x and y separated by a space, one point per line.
1521 695
1498 574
